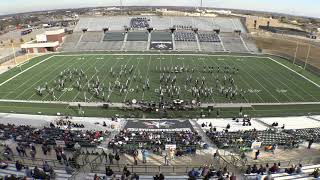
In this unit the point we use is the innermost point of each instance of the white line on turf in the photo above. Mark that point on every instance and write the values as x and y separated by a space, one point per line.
261 74
295 72
71 84
43 77
109 95
147 76
24 71
288 80
106 76
134 73
50 81
93 76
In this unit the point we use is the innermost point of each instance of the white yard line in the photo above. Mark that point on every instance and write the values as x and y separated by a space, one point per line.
247 84
40 79
128 90
24 71
106 75
49 81
268 81
291 83
147 76
109 95
294 72
262 86
90 61
87 80
244 43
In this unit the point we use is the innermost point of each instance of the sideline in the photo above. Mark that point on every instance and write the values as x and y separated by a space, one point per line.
24 70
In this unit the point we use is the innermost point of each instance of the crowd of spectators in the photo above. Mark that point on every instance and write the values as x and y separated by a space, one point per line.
209 172
182 27
186 141
66 123
139 22
276 168
208 37
310 134
244 139
25 135
184 36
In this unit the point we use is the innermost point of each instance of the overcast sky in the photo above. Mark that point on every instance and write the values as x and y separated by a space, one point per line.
296 7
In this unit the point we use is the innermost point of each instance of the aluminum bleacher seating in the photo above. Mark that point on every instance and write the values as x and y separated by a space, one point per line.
11 169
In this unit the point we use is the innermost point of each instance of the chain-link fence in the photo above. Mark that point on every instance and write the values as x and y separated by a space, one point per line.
11 56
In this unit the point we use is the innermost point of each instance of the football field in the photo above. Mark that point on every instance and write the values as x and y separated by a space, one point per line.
150 77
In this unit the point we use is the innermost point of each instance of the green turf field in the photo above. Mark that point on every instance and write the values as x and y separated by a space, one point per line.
259 79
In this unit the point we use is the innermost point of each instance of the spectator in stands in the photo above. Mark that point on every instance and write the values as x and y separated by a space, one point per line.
315 173
19 165
109 171
3 165
69 169
135 157
290 170
233 177
33 154
262 170
254 169
161 176
199 172
126 172
268 177
46 167
111 157
144 155
310 143
192 174
28 172
38 174
299 169
134 177
257 153
96 177
156 177
58 155
117 158
274 168
64 157
33 147
11 177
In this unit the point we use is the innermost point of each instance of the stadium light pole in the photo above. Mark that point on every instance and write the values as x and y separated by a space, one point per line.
295 54
305 64
14 54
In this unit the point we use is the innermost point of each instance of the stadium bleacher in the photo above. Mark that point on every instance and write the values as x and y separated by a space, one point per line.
305 134
11 170
161 37
305 173
92 36
137 36
184 36
139 23
232 42
187 141
245 139
208 37
114 36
